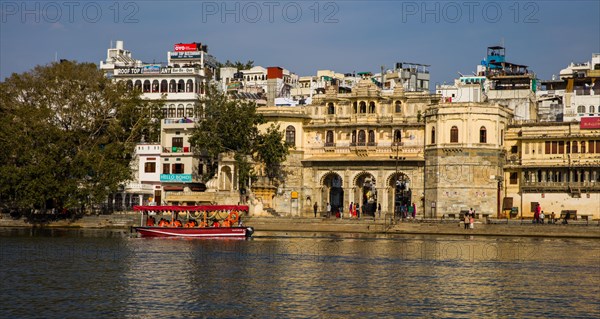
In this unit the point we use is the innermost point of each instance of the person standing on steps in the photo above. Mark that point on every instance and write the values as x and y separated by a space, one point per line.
315 208
328 210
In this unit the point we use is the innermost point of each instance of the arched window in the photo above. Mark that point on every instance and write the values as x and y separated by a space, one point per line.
371 107
355 107
155 86
454 134
371 137
129 84
398 107
172 110
482 135
180 110
363 107
189 110
189 86
583 147
164 86
353 138
397 136
581 109
138 85
574 148
329 138
330 108
362 139
290 135
433 135
147 86
592 109
181 86
172 86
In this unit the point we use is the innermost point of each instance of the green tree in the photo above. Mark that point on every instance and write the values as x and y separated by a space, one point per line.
67 134
237 64
231 125
272 150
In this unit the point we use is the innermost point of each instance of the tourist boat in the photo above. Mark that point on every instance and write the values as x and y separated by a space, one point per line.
229 227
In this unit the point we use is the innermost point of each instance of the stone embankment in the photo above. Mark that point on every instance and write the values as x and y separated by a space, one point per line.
263 225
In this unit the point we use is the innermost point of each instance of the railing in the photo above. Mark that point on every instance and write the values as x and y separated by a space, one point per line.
178 121
175 149
139 186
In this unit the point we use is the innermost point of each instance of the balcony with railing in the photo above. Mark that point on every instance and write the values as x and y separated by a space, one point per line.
587 186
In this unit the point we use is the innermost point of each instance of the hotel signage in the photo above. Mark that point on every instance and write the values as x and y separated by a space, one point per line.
182 47
176 70
176 178
186 55
151 69
590 123
129 71
154 69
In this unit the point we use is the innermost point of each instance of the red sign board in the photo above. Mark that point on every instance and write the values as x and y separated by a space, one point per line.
590 123
186 47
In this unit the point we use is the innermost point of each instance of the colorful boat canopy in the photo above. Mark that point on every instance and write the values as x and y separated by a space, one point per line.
192 208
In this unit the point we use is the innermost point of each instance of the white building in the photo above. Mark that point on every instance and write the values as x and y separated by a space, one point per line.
582 93
179 84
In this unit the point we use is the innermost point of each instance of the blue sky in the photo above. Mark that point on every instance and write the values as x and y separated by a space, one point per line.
304 36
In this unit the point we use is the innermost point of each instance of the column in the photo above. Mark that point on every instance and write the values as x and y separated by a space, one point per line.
544 177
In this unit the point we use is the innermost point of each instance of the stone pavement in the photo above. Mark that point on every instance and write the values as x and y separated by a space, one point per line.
494 227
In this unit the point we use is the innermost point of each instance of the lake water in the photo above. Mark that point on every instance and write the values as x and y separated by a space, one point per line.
107 274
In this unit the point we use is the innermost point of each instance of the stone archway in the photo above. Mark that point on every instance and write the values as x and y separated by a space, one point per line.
332 192
399 192
366 193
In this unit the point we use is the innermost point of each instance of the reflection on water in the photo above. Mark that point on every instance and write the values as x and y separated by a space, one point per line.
87 274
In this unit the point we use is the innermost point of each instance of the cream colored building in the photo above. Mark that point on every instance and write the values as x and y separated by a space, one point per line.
554 164
352 147
464 154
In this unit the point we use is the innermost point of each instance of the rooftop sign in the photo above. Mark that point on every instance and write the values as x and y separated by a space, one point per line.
589 123
183 47
186 55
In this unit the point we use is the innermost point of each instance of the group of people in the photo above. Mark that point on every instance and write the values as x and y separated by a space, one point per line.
405 211
469 219
538 216
228 222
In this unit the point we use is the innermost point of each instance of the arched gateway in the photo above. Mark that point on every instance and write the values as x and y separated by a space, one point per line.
332 192
399 192
366 193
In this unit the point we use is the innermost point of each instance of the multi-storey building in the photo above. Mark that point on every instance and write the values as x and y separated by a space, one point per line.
179 84
356 147
582 92
554 164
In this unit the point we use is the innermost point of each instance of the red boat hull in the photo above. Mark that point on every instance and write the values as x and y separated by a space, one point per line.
207 232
